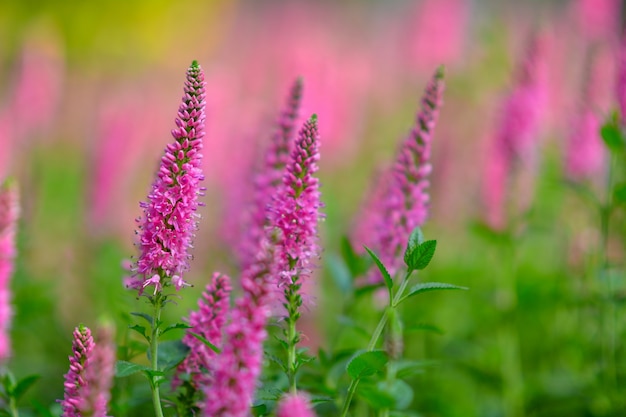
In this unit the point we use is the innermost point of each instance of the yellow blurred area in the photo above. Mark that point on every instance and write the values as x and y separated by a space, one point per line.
110 32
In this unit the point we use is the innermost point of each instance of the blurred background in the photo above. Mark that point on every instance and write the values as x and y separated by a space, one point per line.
88 96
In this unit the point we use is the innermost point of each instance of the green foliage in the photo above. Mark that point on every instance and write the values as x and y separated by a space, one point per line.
382 269
125 368
418 257
367 363
612 135
430 286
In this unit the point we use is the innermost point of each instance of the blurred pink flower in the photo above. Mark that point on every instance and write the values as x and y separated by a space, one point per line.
294 405
170 220
268 178
38 87
621 79
208 321
585 153
236 370
76 387
435 33
9 213
516 140
598 19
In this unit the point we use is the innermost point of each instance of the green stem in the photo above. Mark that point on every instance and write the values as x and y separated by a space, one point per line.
13 407
291 350
508 338
154 352
375 336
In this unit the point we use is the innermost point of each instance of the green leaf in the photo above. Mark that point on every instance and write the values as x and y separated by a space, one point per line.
171 353
141 330
206 342
430 286
421 255
156 378
395 395
176 326
124 368
24 385
416 239
367 363
146 316
612 136
259 410
382 269
619 193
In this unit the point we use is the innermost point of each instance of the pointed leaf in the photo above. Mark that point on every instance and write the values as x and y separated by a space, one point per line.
206 342
382 269
176 326
146 316
422 255
141 330
24 385
171 353
124 368
259 410
430 286
612 136
367 363
416 239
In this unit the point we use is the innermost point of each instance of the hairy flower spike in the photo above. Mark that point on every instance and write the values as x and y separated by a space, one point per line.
295 211
9 213
76 385
208 321
167 226
405 205
295 405
90 377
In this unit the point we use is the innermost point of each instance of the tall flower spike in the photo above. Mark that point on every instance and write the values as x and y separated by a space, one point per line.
295 210
294 405
269 178
9 213
405 205
169 220
516 138
208 321
76 385
236 370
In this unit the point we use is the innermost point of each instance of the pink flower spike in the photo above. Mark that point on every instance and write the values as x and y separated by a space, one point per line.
169 219
295 211
9 213
406 200
269 178
208 321
295 405
76 386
